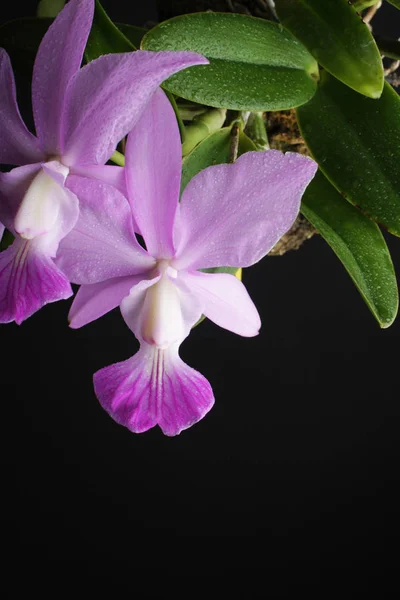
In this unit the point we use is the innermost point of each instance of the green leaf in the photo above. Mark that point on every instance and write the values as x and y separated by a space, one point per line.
213 150
254 64
105 37
49 8
132 33
395 3
358 243
338 38
355 141
21 39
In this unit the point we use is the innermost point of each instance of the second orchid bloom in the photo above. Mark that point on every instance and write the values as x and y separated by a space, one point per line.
229 215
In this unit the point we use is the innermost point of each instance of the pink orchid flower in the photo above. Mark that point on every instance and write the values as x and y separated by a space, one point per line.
230 215
80 115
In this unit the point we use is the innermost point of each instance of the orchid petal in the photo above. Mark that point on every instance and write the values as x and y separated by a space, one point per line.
28 280
232 215
226 301
102 245
159 312
59 58
106 98
17 145
13 187
110 174
154 387
95 300
153 174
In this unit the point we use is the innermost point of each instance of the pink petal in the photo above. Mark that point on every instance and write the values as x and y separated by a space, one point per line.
58 59
107 97
13 187
154 387
28 280
17 145
232 215
225 301
110 174
153 174
95 300
102 245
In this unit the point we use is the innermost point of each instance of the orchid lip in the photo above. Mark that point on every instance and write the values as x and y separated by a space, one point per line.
162 323
39 210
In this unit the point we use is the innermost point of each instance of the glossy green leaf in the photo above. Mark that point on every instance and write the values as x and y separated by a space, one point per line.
254 64
338 38
358 243
105 37
395 3
213 150
21 39
132 33
356 142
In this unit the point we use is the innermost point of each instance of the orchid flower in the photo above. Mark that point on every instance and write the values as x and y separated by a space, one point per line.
230 215
80 115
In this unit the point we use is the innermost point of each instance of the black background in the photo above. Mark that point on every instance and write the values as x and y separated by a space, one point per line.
298 462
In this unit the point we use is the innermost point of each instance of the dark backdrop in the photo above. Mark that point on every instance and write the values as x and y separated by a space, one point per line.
297 462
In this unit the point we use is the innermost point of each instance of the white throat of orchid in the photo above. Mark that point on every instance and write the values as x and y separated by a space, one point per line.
40 207
162 322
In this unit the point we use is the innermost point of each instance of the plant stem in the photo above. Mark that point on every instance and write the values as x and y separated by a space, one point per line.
372 12
118 158
256 130
201 126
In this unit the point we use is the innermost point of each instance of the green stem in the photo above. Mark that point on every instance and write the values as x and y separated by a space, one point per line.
201 127
188 113
256 131
118 158
234 143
